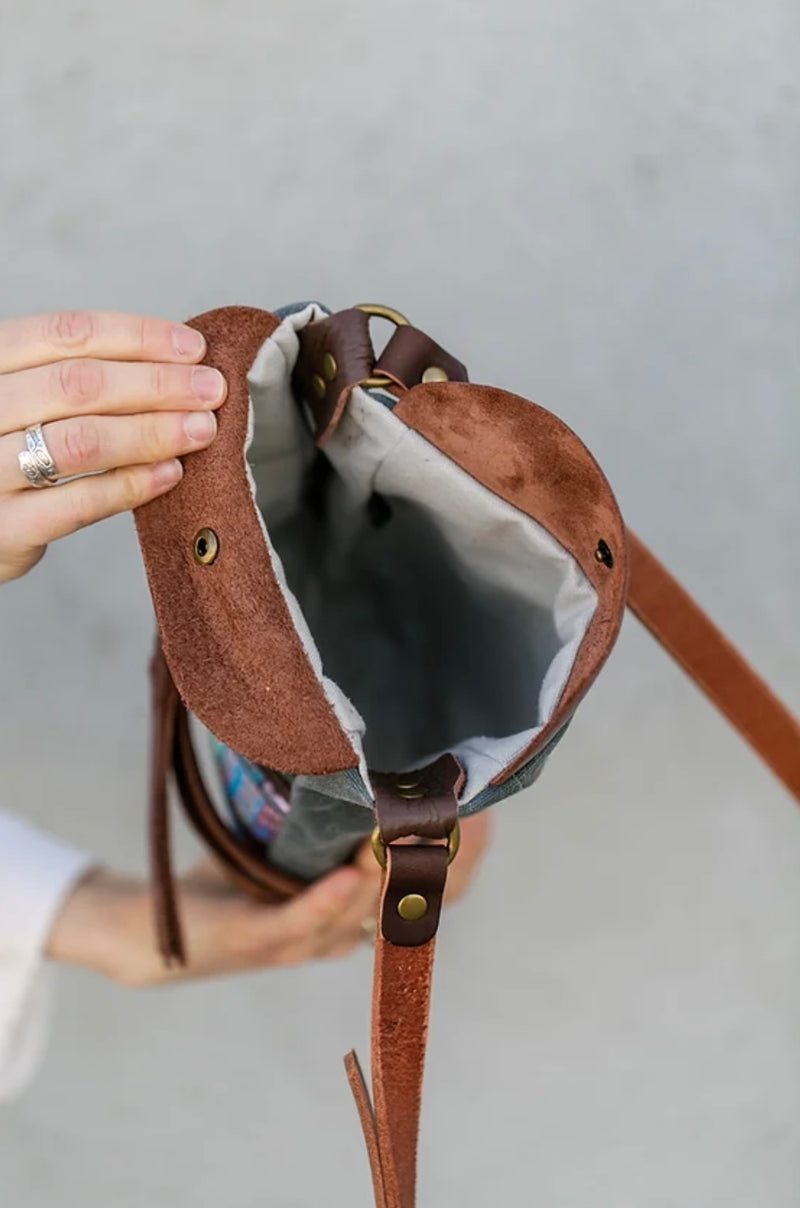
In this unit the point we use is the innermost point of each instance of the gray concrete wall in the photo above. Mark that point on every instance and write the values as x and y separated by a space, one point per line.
597 205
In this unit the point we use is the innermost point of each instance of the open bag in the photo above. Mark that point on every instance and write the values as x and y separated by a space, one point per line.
385 590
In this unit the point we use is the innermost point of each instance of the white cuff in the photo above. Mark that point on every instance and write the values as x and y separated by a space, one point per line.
36 874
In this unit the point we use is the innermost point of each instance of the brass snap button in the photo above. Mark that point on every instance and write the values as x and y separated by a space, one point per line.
412 907
603 554
329 367
434 373
318 386
205 547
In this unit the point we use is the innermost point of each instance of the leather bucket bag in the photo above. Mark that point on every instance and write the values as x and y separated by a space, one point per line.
387 590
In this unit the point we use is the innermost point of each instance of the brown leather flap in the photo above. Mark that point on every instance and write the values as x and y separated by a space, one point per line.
227 633
532 460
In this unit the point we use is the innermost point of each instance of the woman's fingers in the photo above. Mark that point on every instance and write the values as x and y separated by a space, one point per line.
297 931
42 339
108 389
29 520
348 927
88 387
98 442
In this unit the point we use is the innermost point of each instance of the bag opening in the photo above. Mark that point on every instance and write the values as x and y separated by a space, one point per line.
440 617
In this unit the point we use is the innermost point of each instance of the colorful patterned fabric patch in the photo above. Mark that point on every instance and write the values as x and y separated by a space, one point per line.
258 799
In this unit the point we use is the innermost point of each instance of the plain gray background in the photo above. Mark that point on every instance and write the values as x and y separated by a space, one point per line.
595 205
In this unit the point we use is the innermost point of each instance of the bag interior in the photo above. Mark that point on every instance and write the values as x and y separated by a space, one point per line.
439 617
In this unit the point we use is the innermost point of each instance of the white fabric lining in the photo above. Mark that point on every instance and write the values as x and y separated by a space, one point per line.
269 382
460 612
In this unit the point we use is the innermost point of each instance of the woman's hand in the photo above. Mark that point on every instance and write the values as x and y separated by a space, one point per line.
119 398
106 924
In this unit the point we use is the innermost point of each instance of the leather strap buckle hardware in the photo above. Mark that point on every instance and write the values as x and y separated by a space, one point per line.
374 309
453 844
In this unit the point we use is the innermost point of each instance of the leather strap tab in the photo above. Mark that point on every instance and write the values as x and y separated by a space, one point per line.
715 665
415 881
335 355
422 803
410 354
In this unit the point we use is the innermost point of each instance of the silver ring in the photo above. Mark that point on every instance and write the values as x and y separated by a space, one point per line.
36 461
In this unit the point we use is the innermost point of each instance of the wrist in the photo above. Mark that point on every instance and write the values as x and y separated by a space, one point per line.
98 923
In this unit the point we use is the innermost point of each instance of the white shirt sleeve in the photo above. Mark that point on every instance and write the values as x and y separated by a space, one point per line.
36 874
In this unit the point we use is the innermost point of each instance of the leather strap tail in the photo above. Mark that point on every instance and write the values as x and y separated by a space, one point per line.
164 713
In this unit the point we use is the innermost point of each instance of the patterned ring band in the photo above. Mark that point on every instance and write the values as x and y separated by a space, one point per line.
36 462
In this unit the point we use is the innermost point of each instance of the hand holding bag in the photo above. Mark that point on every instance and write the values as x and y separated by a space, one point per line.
388 589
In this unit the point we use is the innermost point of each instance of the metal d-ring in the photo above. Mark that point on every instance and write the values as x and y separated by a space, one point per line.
376 310
379 845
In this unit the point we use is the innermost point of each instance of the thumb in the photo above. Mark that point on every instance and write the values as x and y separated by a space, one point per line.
318 907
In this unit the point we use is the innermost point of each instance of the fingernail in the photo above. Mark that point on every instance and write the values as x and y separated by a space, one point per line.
187 342
208 384
200 426
167 473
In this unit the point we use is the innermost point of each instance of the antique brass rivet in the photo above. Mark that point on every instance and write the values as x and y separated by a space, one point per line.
603 554
434 373
318 386
329 367
408 784
412 907
205 547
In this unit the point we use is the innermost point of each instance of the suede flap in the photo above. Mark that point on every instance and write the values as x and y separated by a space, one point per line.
529 457
228 637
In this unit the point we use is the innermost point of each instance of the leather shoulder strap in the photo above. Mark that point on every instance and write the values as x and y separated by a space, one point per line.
715 665
423 803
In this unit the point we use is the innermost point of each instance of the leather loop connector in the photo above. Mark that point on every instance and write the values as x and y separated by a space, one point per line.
413 891
422 803
335 355
411 357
